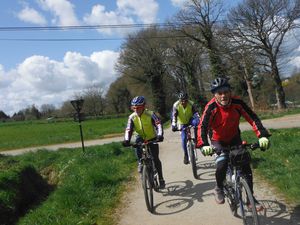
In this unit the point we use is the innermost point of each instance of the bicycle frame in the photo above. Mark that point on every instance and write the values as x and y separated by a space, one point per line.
191 150
234 187
149 175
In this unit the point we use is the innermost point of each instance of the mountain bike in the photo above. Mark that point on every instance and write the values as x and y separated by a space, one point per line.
149 174
236 189
191 150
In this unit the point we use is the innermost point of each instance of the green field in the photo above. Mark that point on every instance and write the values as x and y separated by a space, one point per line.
14 135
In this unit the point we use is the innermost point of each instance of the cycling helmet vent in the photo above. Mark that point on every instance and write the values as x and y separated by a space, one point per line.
138 101
219 83
183 96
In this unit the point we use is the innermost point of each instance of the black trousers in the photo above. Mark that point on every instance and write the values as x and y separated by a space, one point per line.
154 148
222 162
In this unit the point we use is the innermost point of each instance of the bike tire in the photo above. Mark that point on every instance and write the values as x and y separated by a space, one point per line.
230 197
247 205
148 188
192 157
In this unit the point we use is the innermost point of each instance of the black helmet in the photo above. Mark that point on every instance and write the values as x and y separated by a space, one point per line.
183 96
138 101
219 83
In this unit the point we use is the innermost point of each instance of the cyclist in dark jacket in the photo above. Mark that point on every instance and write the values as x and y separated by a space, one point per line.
220 121
184 113
147 127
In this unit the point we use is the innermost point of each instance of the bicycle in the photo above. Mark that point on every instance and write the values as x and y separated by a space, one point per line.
149 174
191 150
236 189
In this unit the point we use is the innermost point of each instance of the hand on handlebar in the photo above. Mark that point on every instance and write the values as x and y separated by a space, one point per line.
264 143
126 143
174 128
206 150
159 138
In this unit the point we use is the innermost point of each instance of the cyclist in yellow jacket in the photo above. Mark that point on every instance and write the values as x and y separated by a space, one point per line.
184 113
147 127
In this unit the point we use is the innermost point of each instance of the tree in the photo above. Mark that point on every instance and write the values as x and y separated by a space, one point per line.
47 110
3 116
94 103
199 20
263 25
118 96
142 58
185 65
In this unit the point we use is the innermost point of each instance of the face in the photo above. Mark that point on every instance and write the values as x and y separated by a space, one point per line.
138 109
223 97
184 102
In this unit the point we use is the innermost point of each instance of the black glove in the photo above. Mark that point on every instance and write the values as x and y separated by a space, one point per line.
174 128
126 143
159 138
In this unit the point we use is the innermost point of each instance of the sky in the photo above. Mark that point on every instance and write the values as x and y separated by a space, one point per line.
51 72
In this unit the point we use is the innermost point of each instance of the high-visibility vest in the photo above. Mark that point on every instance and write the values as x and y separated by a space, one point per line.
143 125
184 114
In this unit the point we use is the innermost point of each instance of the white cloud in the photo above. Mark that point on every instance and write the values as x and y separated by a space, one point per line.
145 10
179 3
39 80
99 16
32 16
63 11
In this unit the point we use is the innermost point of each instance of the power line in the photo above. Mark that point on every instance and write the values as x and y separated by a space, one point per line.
87 39
89 27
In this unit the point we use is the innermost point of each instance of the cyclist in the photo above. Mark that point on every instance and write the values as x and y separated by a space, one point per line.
184 113
147 127
220 120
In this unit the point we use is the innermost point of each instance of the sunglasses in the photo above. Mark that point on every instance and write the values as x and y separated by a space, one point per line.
138 107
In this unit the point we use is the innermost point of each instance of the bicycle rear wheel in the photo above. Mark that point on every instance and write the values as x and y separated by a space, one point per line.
192 157
148 188
247 205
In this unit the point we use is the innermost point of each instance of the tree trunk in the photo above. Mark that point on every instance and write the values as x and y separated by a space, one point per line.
280 94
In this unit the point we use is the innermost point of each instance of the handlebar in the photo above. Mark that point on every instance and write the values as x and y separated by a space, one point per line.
135 145
251 146
184 128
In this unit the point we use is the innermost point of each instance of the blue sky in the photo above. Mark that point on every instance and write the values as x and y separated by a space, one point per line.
44 72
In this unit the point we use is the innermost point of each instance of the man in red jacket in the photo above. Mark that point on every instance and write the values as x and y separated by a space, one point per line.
220 121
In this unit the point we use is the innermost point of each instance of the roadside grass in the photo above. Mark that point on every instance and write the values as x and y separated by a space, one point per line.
269 114
14 135
280 165
84 188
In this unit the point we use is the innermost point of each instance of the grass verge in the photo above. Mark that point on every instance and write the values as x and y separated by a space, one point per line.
86 188
280 164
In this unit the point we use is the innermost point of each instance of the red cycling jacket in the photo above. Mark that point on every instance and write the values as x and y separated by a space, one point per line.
222 122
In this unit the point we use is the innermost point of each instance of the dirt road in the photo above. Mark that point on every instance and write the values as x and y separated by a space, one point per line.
187 201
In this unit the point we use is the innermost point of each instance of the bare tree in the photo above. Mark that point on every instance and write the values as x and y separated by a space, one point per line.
185 65
263 25
199 20
143 57
47 110
94 103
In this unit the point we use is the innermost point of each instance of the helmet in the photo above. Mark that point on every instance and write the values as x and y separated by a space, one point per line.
183 96
138 101
219 83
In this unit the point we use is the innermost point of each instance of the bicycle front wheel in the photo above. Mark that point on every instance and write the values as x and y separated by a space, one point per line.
148 188
247 205
192 157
